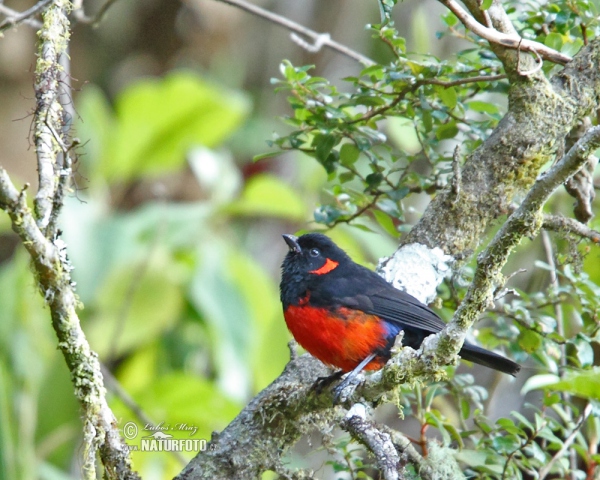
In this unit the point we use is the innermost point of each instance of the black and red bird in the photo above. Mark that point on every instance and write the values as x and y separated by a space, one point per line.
348 316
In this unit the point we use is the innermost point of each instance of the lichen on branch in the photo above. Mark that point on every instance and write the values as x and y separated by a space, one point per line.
48 252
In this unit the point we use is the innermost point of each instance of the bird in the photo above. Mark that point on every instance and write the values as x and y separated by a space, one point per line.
348 316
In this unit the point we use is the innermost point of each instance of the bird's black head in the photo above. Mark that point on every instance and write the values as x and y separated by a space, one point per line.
310 256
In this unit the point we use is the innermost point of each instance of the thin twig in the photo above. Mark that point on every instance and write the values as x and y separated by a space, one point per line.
94 20
19 17
116 388
510 41
463 81
9 12
545 470
559 223
456 174
302 30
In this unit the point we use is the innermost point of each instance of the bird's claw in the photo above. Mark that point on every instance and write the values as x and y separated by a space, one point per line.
346 388
323 382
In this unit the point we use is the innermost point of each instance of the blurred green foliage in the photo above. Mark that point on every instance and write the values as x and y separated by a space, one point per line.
176 304
186 315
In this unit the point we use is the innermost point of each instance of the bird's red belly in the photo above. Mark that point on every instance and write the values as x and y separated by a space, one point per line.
342 338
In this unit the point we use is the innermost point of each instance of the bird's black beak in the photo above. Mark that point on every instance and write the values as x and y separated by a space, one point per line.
292 242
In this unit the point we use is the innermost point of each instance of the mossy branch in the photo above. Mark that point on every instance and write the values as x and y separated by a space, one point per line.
48 252
524 222
541 113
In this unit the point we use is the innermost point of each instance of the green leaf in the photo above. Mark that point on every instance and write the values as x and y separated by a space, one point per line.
505 444
386 222
346 177
583 384
374 180
159 120
266 195
529 341
348 154
447 95
323 145
134 309
554 40
483 107
264 156
446 130
485 4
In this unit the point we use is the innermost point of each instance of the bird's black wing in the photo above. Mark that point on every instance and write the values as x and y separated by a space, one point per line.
372 294
375 296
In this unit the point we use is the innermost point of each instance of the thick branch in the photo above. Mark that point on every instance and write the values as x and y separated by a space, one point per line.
541 113
378 442
272 422
525 221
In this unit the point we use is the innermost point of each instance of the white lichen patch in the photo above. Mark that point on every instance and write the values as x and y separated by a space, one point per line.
417 270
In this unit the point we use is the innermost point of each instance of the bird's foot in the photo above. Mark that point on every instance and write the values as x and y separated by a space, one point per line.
346 388
323 382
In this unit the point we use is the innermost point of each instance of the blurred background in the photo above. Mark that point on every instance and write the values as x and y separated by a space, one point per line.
173 229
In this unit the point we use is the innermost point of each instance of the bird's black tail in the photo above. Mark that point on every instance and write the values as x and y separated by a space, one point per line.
484 357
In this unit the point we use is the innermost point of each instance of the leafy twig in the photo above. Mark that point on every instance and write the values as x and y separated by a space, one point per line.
567 443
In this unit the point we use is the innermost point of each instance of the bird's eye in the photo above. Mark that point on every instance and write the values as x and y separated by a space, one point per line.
314 252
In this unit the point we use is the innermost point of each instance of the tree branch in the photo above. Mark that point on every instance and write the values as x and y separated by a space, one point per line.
48 253
378 442
48 121
508 162
525 221
558 223
506 40
321 39
100 429
15 18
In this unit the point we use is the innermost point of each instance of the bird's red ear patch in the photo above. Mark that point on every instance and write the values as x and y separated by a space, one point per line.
328 267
